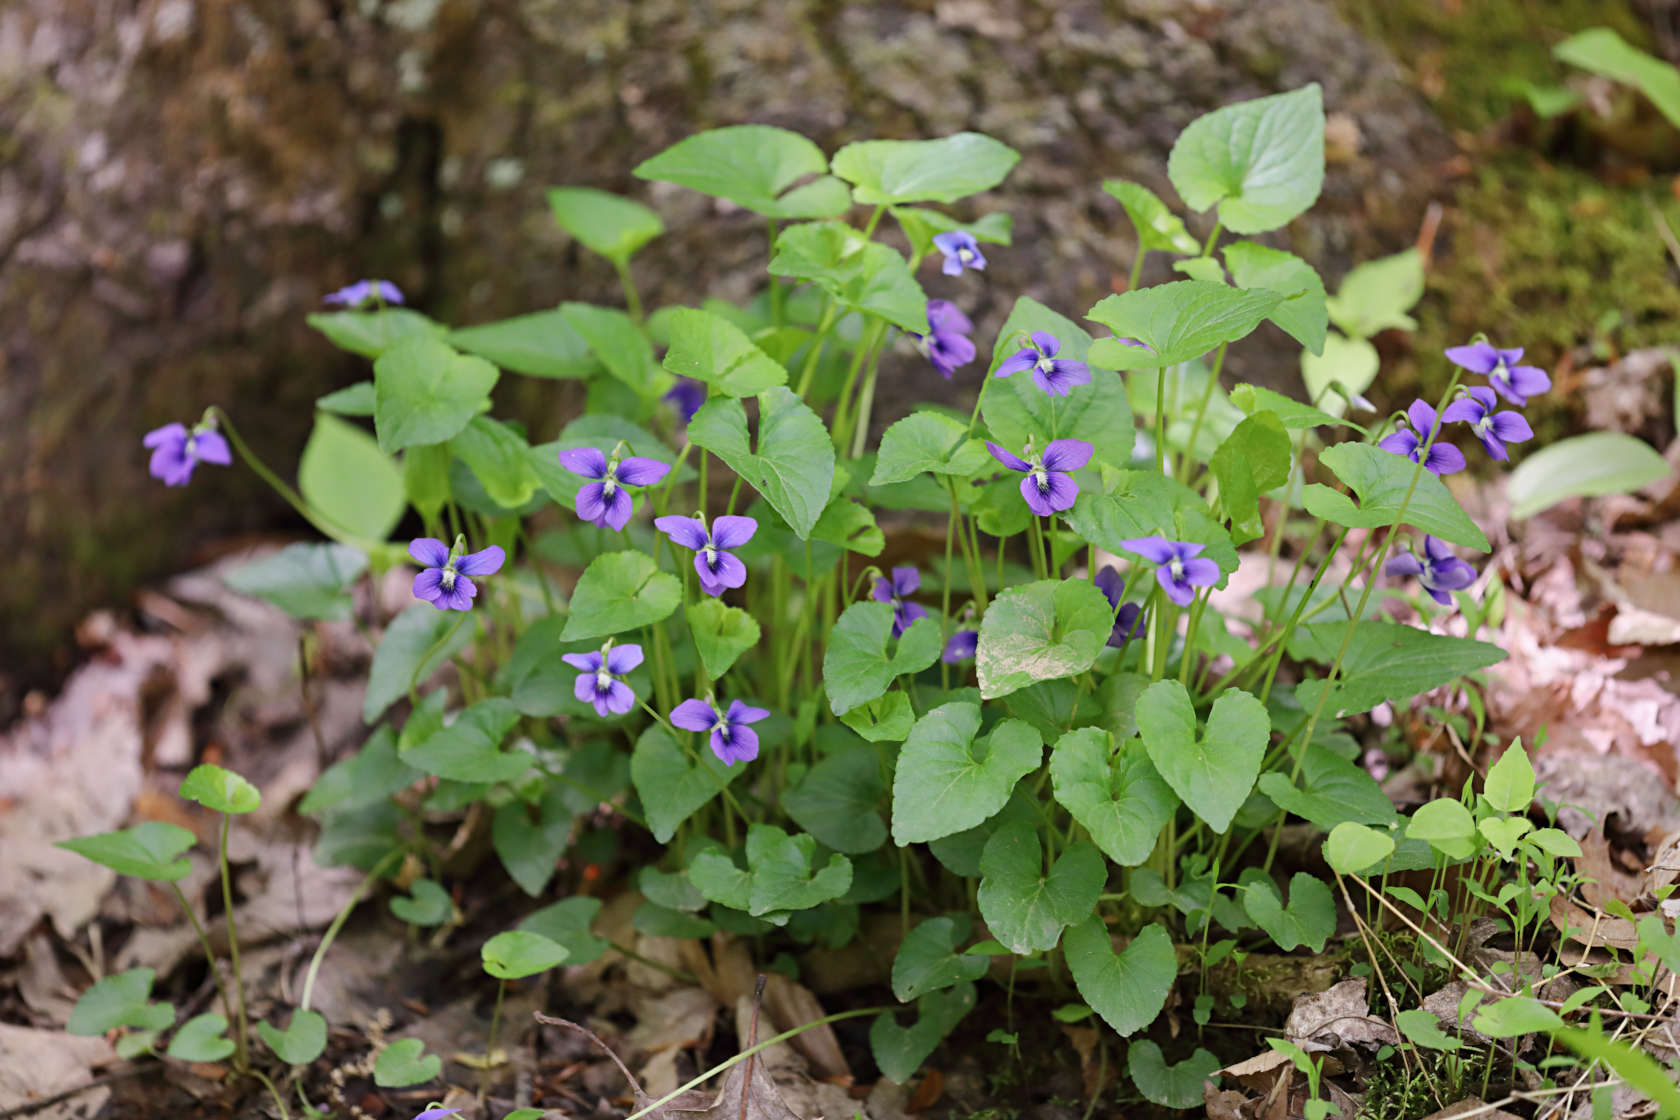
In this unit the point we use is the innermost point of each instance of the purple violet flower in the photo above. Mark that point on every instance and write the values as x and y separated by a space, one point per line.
1128 617
356 295
1515 383
176 451
1049 487
443 580
897 591
1440 572
732 740
1494 429
1443 458
686 396
597 681
961 251
438 1113
961 647
605 502
946 344
1056 376
719 568
1179 568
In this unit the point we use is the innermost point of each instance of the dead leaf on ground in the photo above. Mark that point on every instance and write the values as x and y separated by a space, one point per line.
1340 1016
40 1063
1471 1107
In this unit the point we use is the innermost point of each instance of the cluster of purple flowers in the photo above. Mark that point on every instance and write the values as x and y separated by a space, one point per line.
946 343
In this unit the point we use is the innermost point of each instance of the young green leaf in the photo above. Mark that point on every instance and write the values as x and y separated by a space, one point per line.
1421 1028
541 344
1586 466
1381 480
1128 989
857 667
1309 918
1602 51
620 345
1348 364
1261 161
426 904
709 348
839 799
672 786
610 224
928 960
781 874
1176 322
425 391
1025 908
900 1051
404 1063
1213 770
860 274
1254 458
1329 790
1159 230
1302 315
1353 849
371 333
922 226
356 487
519 953
469 749
948 781
1117 796
529 843
304 580
1376 296
219 790
1510 781
793 462
889 172
753 166
119 1000
721 633
927 441
1446 826
1178 1086
203 1038
303 1040
1041 631
884 720
150 850
568 923
618 592
352 400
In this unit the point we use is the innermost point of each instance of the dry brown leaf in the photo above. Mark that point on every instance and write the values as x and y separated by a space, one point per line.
36 1064
1471 1107
1338 1017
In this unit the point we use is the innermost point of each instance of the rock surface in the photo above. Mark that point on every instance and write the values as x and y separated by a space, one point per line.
182 179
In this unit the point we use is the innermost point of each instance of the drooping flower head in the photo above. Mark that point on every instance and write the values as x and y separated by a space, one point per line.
1513 382
1128 617
443 580
1056 376
961 251
961 646
732 740
1439 572
1494 429
1442 458
1049 487
176 450
946 343
598 680
686 396
357 295
719 568
605 501
1179 566
904 583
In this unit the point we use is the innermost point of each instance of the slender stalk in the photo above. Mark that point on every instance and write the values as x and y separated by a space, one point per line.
1161 419
279 1101
309 513
632 301
209 953
490 1046
241 1039
776 294
1201 412
338 921
1137 269
819 341
414 677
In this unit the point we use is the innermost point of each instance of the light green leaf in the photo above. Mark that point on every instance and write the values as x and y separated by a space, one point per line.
928 960
541 344
352 400
1376 295
371 333
519 953
425 391
793 462
1253 459
412 635
468 750
1302 314
900 1051
927 441
150 850
849 524
861 274
528 845
1510 781
948 781
781 874
1294 415
355 486
1386 661
1446 826
1145 504
219 790
1515 1015
1309 918
1631 1064
886 720
1587 466
1349 362
1331 790
1118 796
710 348
610 224
1201 268
1602 51
618 592
721 633
856 665
1040 632
671 786
1025 909
119 1001
885 172
1213 770
1261 161
568 923
499 458
426 478
303 1040
839 799
620 345
404 1063
753 166
203 1038
1421 1028
426 904
1128 989
1177 322
1352 849
1158 228
1381 481
1178 1086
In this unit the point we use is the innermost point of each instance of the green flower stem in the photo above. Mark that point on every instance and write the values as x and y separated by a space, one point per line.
490 1044
824 322
776 294
664 502
974 417
1137 267
1186 658
414 677
632 301
279 1101
309 513
1161 421
1201 412
338 921
209 953
1041 568
842 411
1213 238
242 1056
953 525
1298 616
874 220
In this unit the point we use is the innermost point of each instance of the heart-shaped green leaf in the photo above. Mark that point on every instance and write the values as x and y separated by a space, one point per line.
1504 833
150 850
1025 908
781 874
469 749
1329 790
119 1001
721 633
1176 322
1309 918
793 462
858 273
203 1038
1178 1086
709 348
220 790
303 1040
888 172
754 166
304 580
1213 770
886 720
1302 314
618 592
354 487
621 346
1446 826
425 391
1261 161
531 839
927 441
948 781
928 959
1039 632
567 923
426 904
610 224
857 667
839 799
1421 1028
1129 988
371 333
519 953
404 1063
670 785
900 1051
499 458
1253 459
1352 849
1118 796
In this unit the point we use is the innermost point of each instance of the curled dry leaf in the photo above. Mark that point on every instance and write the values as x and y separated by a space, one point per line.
1340 1016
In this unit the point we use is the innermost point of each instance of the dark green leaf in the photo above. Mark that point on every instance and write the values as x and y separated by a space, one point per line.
1381 480
927 441
499 458
1308 919
303 1040
304 580
412 635
793 463
620 345
856 665
900 1051
468 750
371 333
1118 797
1025 908
119 1001
528 845
426 904
860 274
710 348
721 633
948 781
620 591
567 923
1329 790
1128 989
1177 322
782 874
1211 770
671 786
928 960
1176 1087
1387 661
839 799
1254 458
754 166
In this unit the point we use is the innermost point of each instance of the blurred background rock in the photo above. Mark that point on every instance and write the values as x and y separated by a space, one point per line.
181 180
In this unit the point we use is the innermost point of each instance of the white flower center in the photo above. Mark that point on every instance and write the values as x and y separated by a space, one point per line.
1046 363
965 255
448 578
1176 567
609 484
603 679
